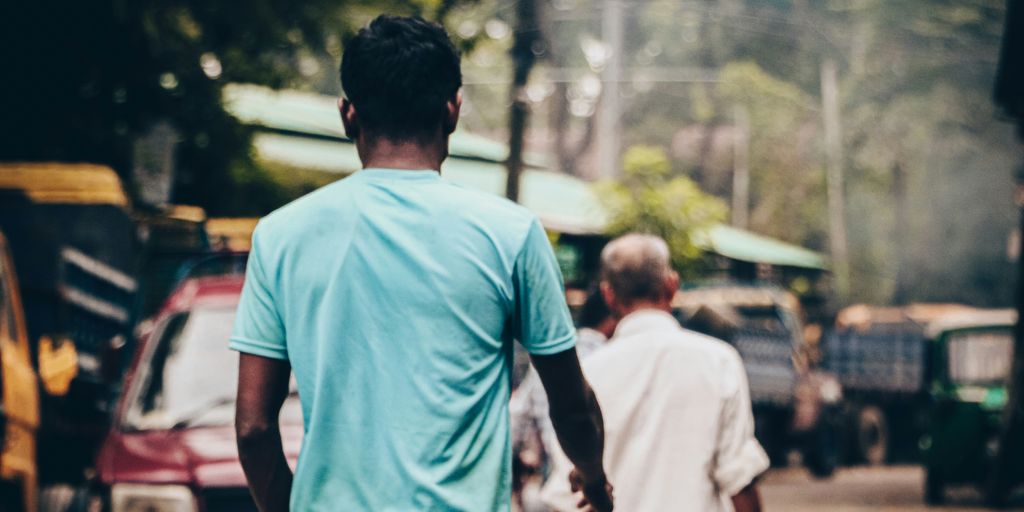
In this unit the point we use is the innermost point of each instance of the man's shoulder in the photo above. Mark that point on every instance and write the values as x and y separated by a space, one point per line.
476 201
283 220
714 347
693 346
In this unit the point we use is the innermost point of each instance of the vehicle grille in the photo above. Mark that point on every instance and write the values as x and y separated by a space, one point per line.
228 500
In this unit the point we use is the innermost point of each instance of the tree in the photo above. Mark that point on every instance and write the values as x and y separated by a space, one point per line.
650 198
86 79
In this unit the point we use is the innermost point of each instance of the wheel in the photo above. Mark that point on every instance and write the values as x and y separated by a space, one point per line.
770 435
872 436
934 487
821 453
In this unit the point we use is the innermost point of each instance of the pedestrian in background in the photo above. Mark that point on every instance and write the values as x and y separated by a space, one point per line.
533 436
394 296
678 420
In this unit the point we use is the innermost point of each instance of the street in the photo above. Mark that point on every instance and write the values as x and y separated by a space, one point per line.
893 488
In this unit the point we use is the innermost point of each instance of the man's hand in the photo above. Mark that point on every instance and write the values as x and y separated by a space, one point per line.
597 494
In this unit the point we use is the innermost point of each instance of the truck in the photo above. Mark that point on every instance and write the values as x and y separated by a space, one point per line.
881 356
91 265
971 357
73 241
19 397
795 403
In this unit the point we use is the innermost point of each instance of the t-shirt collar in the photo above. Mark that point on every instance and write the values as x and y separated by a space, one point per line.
399 174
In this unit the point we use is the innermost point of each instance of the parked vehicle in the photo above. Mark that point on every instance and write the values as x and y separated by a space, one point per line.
172 446
795 405
971 358
881 355
73 241
19 397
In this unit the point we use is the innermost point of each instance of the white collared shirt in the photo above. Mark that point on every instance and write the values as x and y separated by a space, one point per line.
679 430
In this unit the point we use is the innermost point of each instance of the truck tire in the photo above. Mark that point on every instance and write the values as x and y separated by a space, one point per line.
872 436
770 435
821 451
934 487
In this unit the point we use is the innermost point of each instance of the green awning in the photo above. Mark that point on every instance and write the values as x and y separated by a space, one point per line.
742 245
317 115
302 131
563 203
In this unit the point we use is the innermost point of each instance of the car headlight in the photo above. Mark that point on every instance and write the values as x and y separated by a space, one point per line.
831 391
151 498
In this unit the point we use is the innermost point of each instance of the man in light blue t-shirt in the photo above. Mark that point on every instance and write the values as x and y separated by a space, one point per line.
394 296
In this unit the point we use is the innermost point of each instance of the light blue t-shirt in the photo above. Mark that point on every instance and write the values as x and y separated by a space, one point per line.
396 295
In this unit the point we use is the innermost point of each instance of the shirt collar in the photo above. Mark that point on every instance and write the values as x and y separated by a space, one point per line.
645 320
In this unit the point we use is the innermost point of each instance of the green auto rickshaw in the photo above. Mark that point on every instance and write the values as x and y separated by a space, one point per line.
970 360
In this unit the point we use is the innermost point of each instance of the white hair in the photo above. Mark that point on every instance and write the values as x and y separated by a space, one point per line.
636 266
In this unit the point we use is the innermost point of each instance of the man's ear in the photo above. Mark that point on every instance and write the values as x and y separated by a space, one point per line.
452 109
349 118
610 299
671 285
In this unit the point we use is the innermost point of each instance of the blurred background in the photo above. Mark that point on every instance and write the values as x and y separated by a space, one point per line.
838 182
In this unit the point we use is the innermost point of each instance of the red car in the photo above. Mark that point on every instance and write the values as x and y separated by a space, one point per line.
172 447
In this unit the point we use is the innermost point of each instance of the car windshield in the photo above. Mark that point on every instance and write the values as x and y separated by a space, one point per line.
188 377
980 357
766 318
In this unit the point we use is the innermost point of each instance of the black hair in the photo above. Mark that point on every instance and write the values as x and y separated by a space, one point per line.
594 310
399 73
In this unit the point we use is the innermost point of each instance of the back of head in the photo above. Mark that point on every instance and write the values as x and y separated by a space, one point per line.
637 268
399 73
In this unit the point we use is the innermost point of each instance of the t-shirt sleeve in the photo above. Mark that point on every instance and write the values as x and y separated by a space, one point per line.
258 327
541 321
739 458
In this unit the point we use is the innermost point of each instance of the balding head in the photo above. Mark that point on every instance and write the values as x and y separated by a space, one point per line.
636 272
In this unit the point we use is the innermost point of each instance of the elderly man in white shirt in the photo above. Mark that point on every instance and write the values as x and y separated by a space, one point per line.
679 430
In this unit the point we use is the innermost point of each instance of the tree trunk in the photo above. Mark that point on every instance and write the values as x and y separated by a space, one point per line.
834 164
527 39
901 243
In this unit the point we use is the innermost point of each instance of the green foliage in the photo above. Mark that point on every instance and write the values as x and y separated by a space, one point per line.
650 199
787 178
915 87
86 79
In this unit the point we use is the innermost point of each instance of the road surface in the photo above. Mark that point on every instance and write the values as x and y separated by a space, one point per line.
859 489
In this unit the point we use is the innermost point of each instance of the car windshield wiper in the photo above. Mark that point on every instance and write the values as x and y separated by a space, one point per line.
189 419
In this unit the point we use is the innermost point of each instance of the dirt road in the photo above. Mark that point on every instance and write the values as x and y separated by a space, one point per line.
885 489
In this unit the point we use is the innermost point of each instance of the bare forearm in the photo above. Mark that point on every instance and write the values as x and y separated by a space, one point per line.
576 416
262 389
266 469
581 435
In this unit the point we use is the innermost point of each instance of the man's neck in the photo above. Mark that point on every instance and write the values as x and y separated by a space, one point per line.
646 305
411 155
